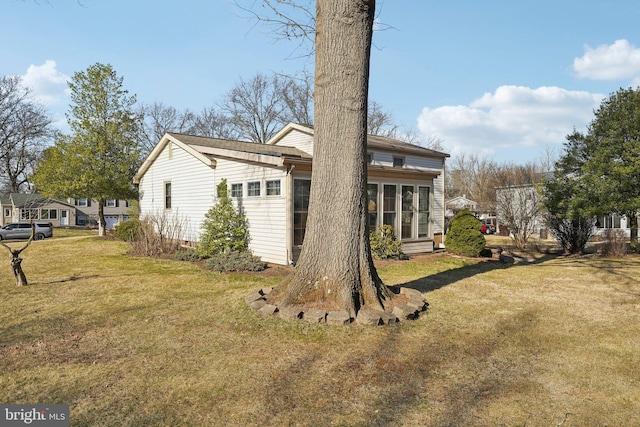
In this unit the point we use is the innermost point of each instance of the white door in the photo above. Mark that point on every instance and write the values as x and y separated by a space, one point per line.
64 217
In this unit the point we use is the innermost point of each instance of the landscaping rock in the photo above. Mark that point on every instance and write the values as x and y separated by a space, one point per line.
268 310
404 312
314 316
290 312
420 305
254 296
411 293
369 318
338 318
388 318
257 304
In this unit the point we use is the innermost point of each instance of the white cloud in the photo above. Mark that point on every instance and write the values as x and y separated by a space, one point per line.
621 60
48 85
511 118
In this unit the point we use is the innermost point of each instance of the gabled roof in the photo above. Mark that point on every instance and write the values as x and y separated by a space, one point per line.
19 200
373 142
208 149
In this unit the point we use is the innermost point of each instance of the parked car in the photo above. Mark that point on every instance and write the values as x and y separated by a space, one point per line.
22 230
486 228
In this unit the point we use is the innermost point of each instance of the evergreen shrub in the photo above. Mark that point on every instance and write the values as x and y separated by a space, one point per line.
464 236
225 228
235 261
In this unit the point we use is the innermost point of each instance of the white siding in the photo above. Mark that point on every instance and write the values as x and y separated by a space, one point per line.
438 204
300 140
192 188
266 215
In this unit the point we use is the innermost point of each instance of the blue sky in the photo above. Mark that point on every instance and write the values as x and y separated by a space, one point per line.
501 79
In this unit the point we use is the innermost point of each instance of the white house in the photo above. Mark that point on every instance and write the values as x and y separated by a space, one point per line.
270 183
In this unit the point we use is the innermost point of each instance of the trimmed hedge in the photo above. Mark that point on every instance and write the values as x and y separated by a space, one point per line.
235 261
464 236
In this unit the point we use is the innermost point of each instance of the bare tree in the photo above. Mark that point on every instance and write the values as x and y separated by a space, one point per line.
25 129
518 203
159 119
256 107
213 124
379 122
298 98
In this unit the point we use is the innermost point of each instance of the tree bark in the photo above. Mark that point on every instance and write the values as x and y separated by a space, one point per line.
16 261
335 267
633 231
102 223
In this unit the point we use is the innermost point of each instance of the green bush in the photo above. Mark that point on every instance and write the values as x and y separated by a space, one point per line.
384 243
188 254
235 261
128 230
225 229
464 236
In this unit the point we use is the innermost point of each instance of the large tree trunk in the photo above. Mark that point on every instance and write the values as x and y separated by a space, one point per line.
335 267
102 223
633 230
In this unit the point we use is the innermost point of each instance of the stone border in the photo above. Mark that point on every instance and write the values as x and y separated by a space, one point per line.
410 303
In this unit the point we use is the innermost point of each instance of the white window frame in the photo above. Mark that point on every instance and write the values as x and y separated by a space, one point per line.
237 190
273 191
253 189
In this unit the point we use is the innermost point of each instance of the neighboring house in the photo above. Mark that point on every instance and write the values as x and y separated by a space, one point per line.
519 207
115 212
28 207
270 183
524 201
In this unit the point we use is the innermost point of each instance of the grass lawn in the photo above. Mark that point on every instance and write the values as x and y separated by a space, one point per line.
132 341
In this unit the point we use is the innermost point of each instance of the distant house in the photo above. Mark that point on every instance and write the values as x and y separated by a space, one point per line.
115 212
524 201
271 183
81 212
28 207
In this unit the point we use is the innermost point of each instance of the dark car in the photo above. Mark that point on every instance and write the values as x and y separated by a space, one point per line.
22 230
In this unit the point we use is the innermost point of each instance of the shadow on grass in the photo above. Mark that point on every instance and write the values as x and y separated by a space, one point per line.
448 277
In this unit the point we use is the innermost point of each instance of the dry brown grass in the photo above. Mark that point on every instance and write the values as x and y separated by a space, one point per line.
132 341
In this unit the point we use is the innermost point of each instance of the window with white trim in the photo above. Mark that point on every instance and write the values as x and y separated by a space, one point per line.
111 203
236 190
273 188
167 195
48 214
253 188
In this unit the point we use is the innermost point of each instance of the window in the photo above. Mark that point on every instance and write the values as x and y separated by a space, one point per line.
253 188
7 212
167 195
273 188
82 202
27 214
111 203
236 190
48 214
608 221
389 205
398 162
301 190
369 158
372 206
406 228
423 212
